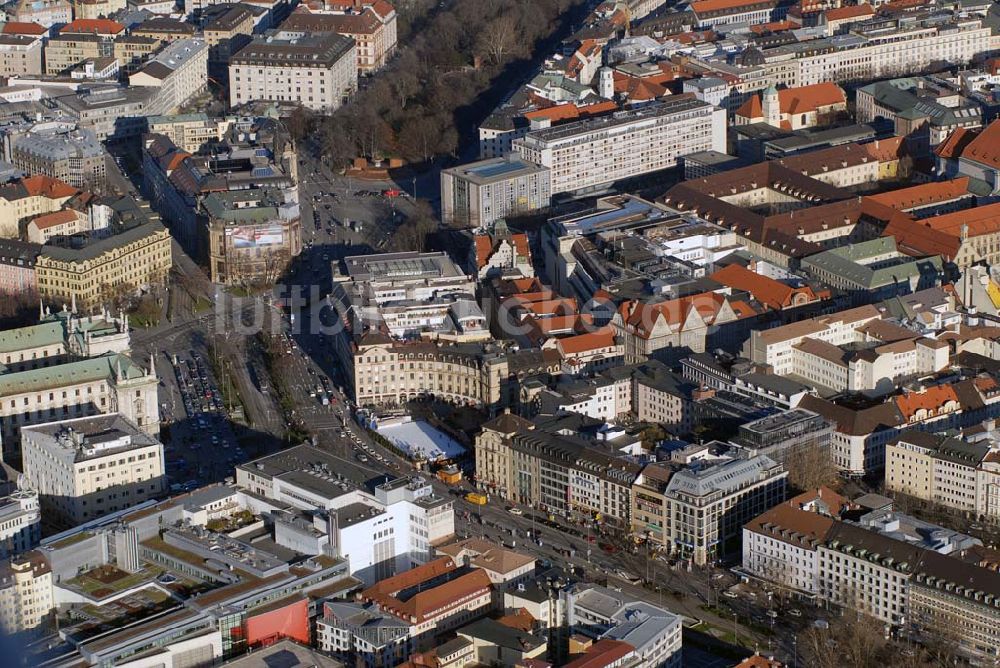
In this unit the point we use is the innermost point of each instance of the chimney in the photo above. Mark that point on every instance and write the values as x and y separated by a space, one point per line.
702 393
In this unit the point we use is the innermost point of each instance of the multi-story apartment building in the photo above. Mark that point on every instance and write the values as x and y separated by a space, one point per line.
711 13
20 523
562 474
781 546
62 150
17 268
908 579
890 47
589 154
21 55
180 71
139 256
857 350
946 470
371 25
67 50
164 28
363 634
131 51
26 594
86 467
317 71
480 193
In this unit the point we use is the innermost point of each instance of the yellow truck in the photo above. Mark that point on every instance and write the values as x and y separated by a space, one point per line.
476 498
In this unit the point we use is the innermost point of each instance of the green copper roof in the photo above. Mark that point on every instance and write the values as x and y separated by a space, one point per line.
35 336
71 373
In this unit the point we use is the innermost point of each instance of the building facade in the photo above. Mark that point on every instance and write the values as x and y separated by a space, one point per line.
593 153
86 467
319 72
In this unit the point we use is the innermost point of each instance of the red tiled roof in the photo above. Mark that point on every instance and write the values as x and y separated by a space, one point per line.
485 246
639 88
774 26
797 100
430 602
920 239
923 194
48 220
570 111
602 653
751 108
975 222
849 12
93 26
23 28
46 186
985 147
768 291
810 98
792 524
583 343
952 147
931 399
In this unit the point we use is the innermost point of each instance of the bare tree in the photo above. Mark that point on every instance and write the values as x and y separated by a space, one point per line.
811 468
499 38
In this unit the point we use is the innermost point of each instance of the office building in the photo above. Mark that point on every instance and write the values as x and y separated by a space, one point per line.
602 614
179 72
26 595
86 467
317 71
20 523
589 154
389 301
945 470
909 582
190 132
698 510
139 257
226 34
434 598
786 433
61 150
379 533
371 25
21 55
480 193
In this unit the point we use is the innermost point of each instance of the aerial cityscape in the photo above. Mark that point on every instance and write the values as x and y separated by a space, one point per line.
506 333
